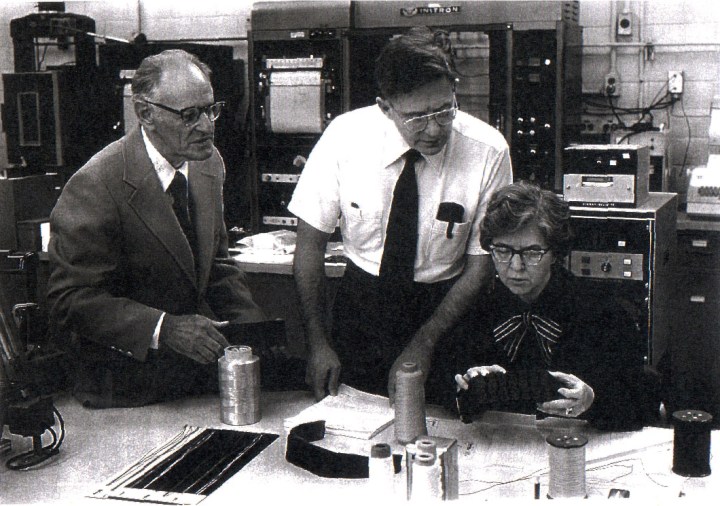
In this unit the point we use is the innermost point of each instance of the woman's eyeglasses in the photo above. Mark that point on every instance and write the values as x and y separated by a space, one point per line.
529 256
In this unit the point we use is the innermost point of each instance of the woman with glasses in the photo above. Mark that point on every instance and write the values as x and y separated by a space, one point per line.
545 343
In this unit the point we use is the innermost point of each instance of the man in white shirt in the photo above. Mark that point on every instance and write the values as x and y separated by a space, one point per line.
141 277
382 320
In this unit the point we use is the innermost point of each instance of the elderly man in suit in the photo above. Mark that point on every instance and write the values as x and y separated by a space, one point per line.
141 277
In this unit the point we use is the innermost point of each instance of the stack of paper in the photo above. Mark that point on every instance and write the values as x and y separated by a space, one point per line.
351 413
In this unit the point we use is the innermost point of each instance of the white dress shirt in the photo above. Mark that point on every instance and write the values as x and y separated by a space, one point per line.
352 171
166 173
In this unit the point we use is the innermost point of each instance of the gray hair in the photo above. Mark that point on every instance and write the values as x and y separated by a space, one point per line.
147 76
517 205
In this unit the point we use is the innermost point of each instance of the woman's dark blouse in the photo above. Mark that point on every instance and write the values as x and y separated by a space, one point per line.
569 328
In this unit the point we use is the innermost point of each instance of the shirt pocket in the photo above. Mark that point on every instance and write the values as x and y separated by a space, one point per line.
362 229
446 250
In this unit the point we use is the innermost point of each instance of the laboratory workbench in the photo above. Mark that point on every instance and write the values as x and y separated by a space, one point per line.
499 456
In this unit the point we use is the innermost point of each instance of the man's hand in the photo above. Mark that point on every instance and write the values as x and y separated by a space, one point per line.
577 397
323 370
417 351
323 367
194 336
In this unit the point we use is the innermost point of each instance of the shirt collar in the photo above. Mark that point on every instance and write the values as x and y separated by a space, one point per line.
163 168
395 147
435 161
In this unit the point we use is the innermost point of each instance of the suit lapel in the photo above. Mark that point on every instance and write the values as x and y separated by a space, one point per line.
202 192
153 206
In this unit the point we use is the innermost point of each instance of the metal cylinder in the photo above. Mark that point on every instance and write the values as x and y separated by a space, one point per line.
566 456
239 378
691 443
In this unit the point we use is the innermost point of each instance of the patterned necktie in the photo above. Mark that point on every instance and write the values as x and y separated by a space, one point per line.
178 190
398 258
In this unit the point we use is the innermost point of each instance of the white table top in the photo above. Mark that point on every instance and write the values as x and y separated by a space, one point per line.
499 457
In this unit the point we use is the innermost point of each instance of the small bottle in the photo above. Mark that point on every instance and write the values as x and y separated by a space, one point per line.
381 471
426 484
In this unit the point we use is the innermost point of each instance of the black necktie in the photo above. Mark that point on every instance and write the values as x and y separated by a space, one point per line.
178 190
398 258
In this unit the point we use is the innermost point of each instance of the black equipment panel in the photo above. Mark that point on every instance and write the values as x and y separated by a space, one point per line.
280 149
695 326
65 27
628 254
520 71
53 116
546 98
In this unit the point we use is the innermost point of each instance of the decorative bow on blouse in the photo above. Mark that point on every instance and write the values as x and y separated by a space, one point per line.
511 332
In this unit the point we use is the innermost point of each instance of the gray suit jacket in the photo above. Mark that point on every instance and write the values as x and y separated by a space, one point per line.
119 259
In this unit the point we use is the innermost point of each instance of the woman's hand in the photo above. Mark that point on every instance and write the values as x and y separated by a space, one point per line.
578 397
463 380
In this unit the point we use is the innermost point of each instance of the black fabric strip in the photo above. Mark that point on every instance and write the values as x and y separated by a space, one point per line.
514 389
323 462
201 466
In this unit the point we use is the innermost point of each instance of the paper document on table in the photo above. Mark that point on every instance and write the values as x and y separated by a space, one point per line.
351 413
277 242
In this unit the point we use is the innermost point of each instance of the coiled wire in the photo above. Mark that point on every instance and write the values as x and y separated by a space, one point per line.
239 378
566 456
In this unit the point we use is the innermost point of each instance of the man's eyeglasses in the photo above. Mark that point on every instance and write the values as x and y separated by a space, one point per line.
191 115
529 256
444 117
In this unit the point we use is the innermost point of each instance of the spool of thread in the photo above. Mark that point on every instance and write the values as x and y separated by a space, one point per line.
426 482
426 445
691 443
566 456
381 471
409 403
239 377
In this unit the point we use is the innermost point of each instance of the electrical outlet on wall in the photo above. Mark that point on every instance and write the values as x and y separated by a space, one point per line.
624 24
675 81
611 85
592 124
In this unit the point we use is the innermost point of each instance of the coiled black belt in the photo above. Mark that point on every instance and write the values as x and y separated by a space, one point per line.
301 452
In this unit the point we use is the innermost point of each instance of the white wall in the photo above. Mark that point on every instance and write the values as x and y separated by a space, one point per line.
685 35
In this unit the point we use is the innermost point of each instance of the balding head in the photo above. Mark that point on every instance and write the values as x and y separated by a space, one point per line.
149 75
174 102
